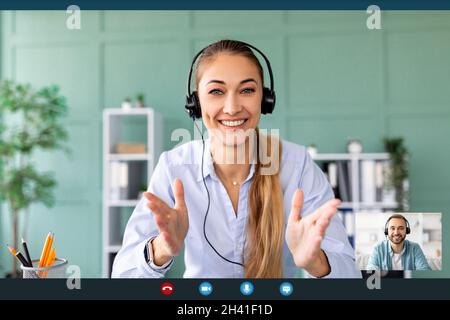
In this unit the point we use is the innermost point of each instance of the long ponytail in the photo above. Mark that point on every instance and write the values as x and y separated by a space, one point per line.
266 219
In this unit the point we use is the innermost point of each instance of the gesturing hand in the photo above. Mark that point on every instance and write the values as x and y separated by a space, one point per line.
304 235
172 223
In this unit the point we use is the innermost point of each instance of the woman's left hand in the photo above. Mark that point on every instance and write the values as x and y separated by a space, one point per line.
304 235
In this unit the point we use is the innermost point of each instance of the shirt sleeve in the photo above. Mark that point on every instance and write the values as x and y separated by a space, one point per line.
420 259
317 191
130 261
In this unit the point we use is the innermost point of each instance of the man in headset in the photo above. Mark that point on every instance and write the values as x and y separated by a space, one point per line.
397 253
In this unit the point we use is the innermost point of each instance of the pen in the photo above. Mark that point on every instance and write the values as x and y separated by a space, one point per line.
27 253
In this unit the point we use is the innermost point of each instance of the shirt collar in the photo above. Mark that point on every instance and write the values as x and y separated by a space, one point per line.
392 251
208 166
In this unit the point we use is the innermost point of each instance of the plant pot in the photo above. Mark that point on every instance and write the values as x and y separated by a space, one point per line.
126 105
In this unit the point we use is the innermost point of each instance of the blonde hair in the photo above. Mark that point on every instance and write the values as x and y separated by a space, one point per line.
266 220
263 258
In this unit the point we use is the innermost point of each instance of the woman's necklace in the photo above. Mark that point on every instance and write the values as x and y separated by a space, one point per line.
233 182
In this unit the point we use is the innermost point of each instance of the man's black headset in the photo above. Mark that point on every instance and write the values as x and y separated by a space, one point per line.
195 112
193 103
397 216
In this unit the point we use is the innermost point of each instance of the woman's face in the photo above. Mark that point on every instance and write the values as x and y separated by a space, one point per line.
230 93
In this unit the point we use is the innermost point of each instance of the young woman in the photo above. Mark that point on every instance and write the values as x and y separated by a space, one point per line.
234 219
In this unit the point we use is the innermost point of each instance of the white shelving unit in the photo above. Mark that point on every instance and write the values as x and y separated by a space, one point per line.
140 168
355 160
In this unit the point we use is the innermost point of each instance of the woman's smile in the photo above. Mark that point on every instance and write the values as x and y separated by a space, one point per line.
232 124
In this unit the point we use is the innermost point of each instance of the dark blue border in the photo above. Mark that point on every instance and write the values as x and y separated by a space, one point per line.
226 289
225 5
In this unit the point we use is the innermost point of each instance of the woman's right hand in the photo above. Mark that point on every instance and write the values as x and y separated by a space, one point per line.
172 223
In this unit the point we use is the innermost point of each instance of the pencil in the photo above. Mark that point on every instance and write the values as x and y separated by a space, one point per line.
12 250
19 257
46 250
50 258
27 253
50 261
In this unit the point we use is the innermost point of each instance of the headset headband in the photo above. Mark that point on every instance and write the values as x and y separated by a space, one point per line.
245 44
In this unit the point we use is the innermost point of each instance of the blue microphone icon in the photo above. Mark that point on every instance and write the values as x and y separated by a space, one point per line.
247 288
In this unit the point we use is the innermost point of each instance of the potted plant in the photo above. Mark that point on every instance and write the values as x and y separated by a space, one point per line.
33 124
140 100
126 104
398 175
142 188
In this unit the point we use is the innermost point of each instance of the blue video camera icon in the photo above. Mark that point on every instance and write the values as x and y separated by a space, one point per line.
205 288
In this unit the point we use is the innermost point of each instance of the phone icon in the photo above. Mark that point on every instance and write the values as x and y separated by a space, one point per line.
167 288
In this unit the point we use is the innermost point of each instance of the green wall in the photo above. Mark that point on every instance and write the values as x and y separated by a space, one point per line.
335 79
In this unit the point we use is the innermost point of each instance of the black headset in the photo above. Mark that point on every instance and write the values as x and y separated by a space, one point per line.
193 103
397 216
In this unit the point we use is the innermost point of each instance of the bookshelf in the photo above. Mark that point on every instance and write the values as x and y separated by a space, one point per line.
364 175
124 174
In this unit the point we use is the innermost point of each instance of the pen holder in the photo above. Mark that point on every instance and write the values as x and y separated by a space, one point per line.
57 270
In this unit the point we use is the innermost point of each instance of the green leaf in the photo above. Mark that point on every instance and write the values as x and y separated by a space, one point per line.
38 127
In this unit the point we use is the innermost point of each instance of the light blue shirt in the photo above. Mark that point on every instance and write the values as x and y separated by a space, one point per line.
412 257
226 229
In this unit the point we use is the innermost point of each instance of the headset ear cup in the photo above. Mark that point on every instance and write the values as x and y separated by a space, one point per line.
193 106
198 109
268 101
189 106
386 228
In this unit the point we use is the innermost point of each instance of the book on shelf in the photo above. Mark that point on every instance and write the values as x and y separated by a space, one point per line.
338 176
368 188
379 181
332 177
345 188
372 179
374 182
119 180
